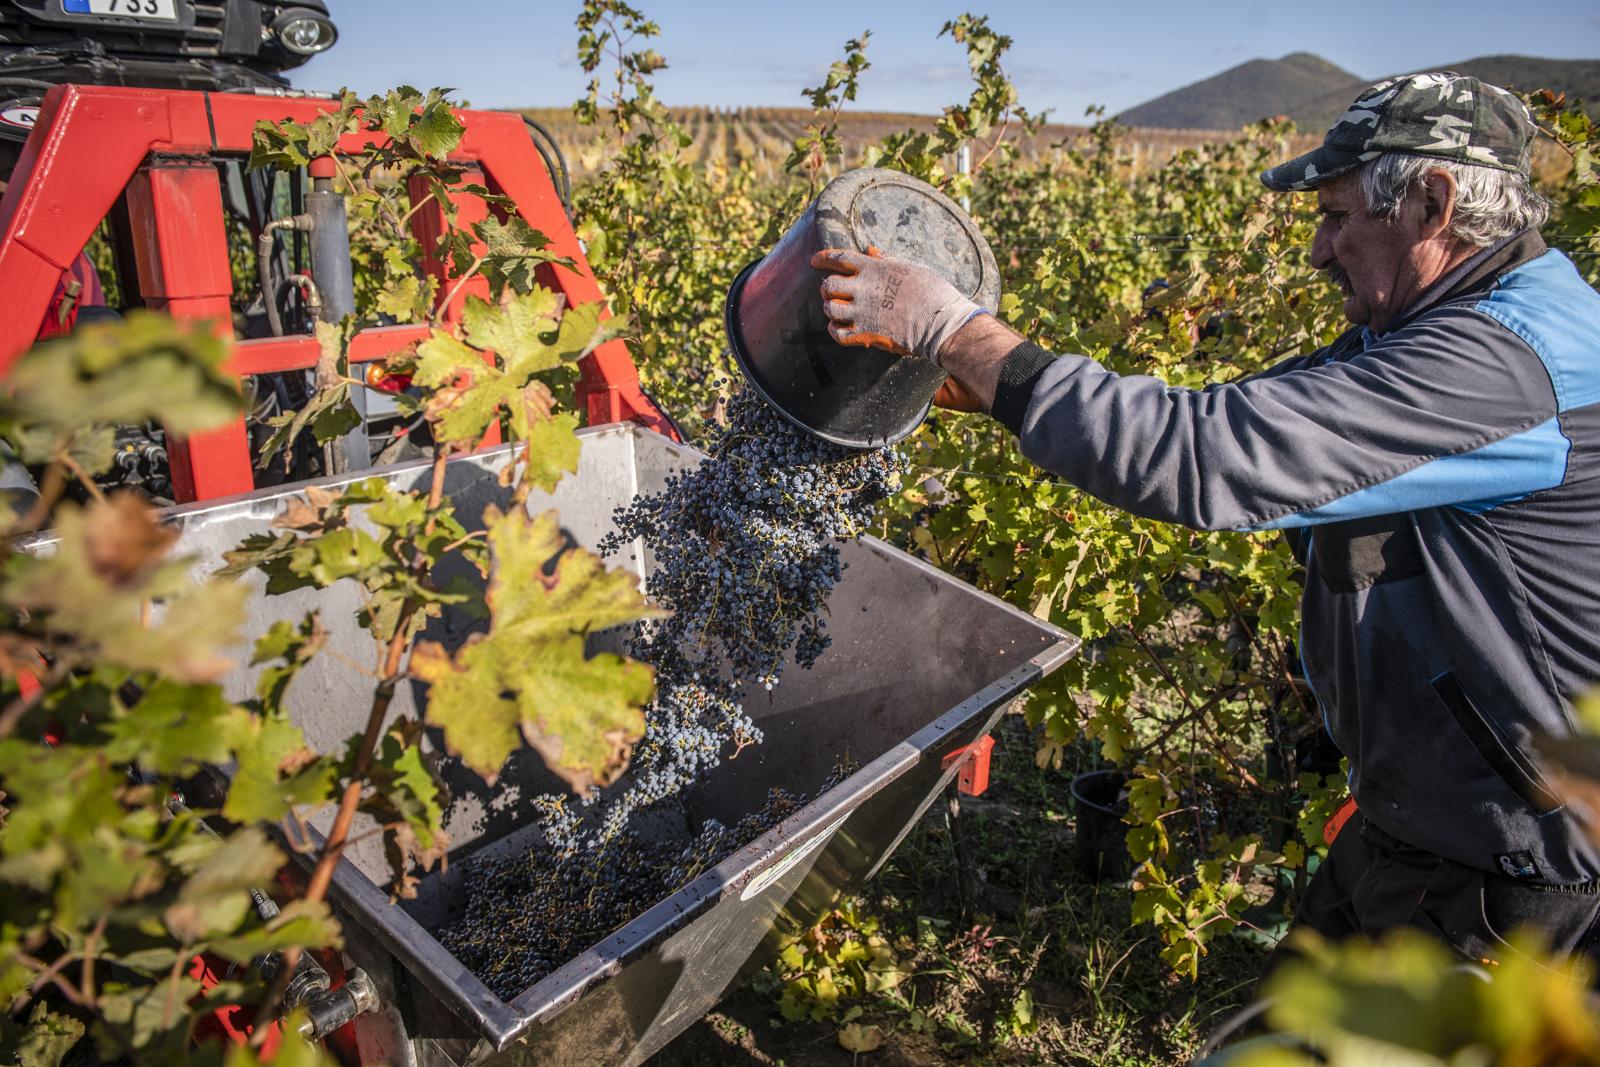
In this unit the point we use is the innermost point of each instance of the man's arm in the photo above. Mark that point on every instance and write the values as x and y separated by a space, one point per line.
973 358
1453 410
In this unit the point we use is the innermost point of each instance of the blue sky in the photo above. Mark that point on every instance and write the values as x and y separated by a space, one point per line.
1067 55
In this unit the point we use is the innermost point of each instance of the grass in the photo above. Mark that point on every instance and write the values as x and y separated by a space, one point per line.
1038 965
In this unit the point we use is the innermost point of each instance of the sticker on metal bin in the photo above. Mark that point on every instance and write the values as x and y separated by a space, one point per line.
790 859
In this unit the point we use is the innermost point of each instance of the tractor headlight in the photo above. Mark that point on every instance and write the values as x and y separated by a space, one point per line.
305 32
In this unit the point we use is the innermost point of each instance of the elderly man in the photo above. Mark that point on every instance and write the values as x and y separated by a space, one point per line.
1437 469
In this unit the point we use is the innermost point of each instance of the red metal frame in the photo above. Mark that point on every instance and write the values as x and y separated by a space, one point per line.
153 149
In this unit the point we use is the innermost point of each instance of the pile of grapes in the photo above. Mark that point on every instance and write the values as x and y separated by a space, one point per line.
746 551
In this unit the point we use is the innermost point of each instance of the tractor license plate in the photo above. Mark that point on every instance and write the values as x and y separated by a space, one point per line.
137 10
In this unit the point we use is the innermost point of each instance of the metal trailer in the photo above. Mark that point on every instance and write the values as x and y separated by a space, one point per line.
920 669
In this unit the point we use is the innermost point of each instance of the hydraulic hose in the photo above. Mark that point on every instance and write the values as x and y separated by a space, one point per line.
264 249
558 169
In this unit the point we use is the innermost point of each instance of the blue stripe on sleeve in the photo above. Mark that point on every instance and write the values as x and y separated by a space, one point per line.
1498 473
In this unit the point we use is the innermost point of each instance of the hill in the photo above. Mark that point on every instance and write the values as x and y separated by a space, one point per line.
1314 92
1578 78
1246 93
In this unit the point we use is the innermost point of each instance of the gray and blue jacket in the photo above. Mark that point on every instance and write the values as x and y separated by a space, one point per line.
1441 484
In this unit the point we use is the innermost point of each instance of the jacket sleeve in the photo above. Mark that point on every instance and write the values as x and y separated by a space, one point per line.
1454 409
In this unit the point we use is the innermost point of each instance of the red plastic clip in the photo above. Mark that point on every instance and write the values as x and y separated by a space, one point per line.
973 778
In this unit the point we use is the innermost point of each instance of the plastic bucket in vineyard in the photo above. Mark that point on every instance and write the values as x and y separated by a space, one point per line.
1102 846
858 397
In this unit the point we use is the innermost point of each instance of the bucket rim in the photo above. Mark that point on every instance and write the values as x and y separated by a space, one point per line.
748 372
1100 775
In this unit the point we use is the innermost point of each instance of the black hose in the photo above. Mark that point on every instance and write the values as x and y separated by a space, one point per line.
558 169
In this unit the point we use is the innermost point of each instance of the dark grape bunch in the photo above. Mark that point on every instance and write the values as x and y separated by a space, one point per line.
532 911
745 550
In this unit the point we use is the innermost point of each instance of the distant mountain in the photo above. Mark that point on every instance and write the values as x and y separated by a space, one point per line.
1314 92
1246 93
1578 78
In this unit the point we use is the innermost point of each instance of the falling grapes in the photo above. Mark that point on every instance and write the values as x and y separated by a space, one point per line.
746 550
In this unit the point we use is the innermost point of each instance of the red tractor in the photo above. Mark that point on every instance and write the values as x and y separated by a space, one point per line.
146 132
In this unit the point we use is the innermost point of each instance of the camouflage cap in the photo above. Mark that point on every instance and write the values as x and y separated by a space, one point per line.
1444 115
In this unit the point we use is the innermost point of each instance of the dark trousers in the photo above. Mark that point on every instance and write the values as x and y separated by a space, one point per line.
1371 883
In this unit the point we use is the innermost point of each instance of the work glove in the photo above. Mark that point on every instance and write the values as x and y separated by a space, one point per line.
875 301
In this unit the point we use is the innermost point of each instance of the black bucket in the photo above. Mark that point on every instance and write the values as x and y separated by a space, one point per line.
858 397
1102 845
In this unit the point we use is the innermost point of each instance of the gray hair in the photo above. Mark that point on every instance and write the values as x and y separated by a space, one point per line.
1490 203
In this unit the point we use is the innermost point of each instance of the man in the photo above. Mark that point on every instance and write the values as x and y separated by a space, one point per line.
1437 469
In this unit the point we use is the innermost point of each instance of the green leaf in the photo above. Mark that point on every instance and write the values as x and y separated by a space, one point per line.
295 645
279 146
174 728
215 899
67 393
435 131
42 1042
552 451
408 298
579 596
404 786
516 329
529 672
300 924
859 1038
276 770
469 703
470 389
88 596
512 253
139 1016
328 414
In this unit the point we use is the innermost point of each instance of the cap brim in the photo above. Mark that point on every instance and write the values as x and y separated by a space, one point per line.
1312 169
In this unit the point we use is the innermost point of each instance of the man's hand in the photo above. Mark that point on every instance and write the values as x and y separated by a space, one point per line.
874 301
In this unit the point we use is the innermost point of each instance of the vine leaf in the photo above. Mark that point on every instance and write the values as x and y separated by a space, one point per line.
295 645
306 923
529 673
43 1042
215 898
531 602
276 770
62 396
174 728
515 327
329 413
406 801
469 388
552 451
512 252
87 598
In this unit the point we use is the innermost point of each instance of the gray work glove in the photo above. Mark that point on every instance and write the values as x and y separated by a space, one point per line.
874 301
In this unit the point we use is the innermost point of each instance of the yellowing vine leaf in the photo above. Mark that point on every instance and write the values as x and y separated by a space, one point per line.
472 383
529 674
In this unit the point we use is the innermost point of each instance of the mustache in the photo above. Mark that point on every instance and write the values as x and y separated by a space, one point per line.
1340 277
